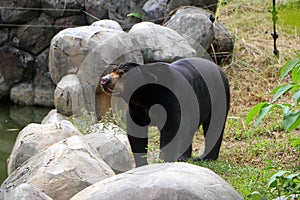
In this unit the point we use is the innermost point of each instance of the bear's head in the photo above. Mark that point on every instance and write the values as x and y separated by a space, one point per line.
109 81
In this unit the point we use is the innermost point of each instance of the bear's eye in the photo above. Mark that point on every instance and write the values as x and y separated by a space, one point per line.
121 72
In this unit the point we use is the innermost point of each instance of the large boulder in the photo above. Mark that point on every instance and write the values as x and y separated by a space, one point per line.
15 66
22 93
4 34
62 170
98 8
10 15
67 95
53 117
25 192
31 140
87 52
223 44
209 4
155 11
119 9
195 26
162 181
31 38
60 6
112 145
42 82
160 44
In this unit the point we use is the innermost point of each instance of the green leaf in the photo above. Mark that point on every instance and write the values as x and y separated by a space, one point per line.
273 180
295 74
291 120
279 91
292 176
254 111
135 14
296 96
288 67
263 111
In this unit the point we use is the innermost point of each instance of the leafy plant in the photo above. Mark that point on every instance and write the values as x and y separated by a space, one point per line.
135 14
284 184
291 112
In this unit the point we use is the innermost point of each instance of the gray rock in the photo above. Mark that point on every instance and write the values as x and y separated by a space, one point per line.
107 23
223 44
22 94
67 95
70 47
17 15
159 43
162 181
62 170
4 33
31 140
119 9
15 65
195 26
31 38
87 52
42 82
155 10
97 8
61 6
53 117
209 4
112 145
24 192
69 22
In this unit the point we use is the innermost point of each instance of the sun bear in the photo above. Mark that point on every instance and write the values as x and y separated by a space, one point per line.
177 98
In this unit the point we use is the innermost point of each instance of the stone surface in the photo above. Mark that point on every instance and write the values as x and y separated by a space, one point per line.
4 33
155 11
195 26
42 82
160 44
22 94
15 66
31 38
62 170
18 15
98 8
162 181
112 145
119 9
70 47
209 4
223 44
107 23
24 192
69 22
31 140
67 95
53 117
87 52
61 6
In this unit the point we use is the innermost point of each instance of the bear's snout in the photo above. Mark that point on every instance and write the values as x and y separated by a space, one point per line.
105 80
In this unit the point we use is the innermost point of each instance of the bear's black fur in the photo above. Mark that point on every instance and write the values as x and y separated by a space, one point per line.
204 77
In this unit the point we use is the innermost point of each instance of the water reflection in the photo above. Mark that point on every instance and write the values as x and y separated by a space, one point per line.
12 119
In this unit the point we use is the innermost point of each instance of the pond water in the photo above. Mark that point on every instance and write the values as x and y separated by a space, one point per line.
12 119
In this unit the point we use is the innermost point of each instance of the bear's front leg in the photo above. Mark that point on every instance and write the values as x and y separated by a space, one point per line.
138 139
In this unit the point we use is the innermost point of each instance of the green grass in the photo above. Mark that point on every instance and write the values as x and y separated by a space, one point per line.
245 179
